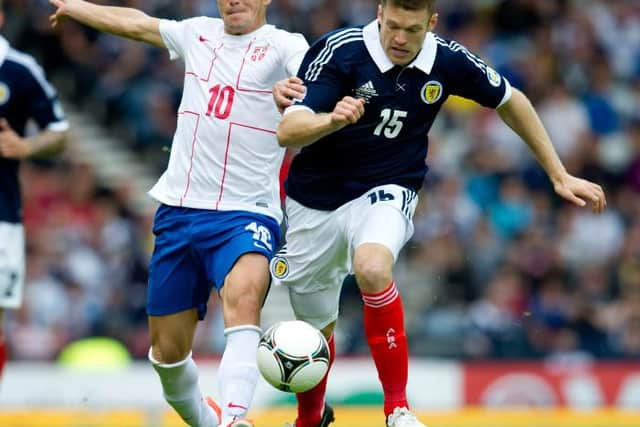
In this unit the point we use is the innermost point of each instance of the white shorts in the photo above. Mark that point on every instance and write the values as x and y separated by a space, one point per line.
320 246
12 264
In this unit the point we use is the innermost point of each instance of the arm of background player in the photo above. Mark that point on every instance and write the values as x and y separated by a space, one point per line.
302 127
45 143
121 21
519 115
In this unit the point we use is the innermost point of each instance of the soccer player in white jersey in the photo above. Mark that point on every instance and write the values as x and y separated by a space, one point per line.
218 222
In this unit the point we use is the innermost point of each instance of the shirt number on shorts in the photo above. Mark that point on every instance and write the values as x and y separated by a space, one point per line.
221 101
390 123
8 282
261 235
380 196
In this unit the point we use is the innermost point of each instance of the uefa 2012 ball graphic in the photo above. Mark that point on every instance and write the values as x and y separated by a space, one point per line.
293 356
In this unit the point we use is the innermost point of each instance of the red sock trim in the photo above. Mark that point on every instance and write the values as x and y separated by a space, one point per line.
3 354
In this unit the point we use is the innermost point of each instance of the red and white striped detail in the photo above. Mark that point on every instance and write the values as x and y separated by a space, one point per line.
194 139
381 299
214 56
226 153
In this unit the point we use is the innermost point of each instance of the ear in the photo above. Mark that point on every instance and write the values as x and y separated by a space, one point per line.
433 21
380 13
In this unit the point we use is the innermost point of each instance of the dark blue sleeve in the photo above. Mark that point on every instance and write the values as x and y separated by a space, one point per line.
475 80
323 75
43 105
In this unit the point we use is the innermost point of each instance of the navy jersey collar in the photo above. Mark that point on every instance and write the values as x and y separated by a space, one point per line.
424 61
4 49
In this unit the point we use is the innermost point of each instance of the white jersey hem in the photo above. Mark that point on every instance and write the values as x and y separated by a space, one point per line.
222 206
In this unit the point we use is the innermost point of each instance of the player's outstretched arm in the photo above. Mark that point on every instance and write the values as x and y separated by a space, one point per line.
302 127
519 115
121 21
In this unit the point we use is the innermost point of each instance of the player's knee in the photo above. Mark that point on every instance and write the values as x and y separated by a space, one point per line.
327 331
372 276
168 351
245 297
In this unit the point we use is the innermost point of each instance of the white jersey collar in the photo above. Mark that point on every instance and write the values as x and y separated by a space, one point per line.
4 49
245 37
424 61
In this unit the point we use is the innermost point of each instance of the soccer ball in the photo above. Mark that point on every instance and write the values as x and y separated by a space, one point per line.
293 356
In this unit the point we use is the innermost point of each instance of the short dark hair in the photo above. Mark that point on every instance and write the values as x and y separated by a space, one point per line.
411 4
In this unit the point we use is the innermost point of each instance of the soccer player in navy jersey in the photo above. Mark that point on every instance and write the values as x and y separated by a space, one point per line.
25 95
372 94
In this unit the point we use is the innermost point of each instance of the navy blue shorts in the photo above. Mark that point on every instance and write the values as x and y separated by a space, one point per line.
194 251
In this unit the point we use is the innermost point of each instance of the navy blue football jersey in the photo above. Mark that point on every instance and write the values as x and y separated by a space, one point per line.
388 145
24 94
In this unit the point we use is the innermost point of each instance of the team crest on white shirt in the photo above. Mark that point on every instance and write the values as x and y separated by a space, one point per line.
279 267
259 52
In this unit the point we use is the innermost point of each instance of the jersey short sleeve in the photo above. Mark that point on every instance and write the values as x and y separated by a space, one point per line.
172 33
323 71
43 106
475 80
296 47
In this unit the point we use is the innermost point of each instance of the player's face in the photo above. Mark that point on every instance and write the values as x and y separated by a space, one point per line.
402 31
243 16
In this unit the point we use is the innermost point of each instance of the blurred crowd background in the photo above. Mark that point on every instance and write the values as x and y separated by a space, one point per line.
499 267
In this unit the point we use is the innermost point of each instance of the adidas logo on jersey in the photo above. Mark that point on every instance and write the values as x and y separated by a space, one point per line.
366 91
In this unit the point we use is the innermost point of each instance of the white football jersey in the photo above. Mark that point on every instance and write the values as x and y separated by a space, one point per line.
225 155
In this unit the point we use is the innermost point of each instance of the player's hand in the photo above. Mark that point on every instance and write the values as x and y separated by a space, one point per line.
61 12
580 191
12 146
285 91
348 111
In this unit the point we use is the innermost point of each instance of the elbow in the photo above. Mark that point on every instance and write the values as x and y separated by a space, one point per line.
284 137
62 142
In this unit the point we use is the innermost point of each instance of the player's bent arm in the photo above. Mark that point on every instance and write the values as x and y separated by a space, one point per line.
303 127
47 142
519 115
121 21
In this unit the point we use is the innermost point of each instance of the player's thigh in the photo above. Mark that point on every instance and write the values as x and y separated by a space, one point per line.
176 277
248 276
315 255
239 267
383 216
319 308
172 335
245 290
12 265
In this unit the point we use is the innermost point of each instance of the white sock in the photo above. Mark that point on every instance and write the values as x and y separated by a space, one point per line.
180 386
238 372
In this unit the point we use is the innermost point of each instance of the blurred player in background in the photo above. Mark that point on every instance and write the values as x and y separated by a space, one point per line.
25 94
372 96
218 223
